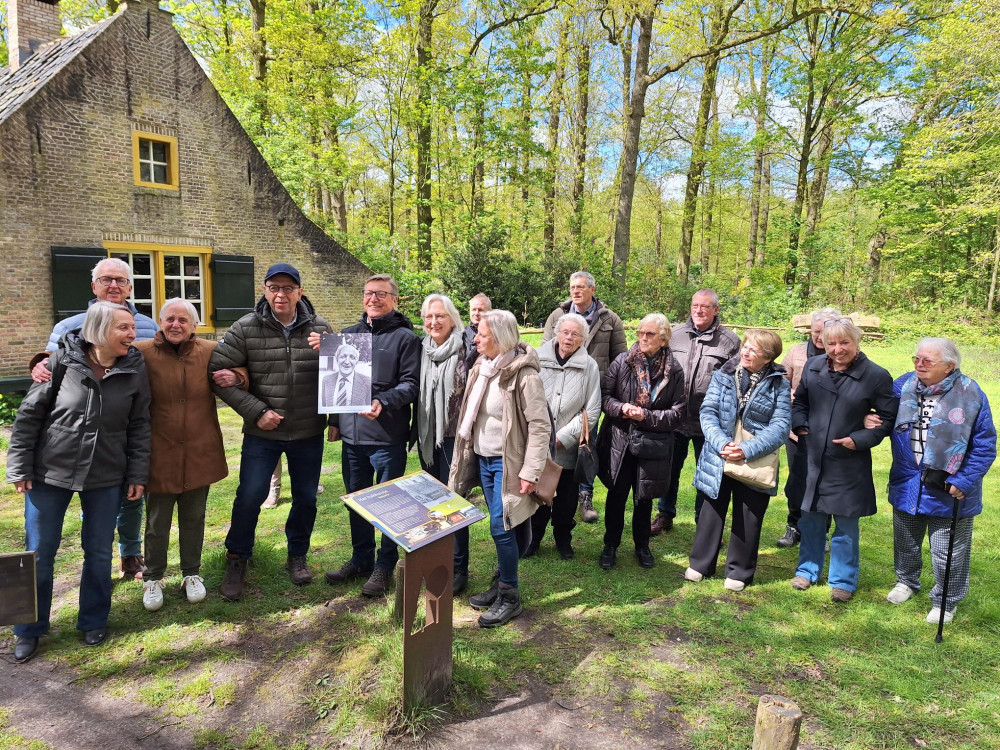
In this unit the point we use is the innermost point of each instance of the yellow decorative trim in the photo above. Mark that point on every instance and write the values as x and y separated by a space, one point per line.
173 171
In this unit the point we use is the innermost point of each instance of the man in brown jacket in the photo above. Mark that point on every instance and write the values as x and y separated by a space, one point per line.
604 341
701 345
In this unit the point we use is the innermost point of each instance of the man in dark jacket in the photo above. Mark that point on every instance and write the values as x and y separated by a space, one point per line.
374 442
279 417
605 340
701 345
477 306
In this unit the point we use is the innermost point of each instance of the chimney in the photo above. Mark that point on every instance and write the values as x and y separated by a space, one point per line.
30 24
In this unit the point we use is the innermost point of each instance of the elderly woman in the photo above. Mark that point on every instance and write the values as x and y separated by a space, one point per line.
187 450
502 443
572 384
942 447
442 385
836 392
749 390
86 431
643 400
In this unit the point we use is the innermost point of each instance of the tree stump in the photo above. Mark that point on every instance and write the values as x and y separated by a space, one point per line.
778 723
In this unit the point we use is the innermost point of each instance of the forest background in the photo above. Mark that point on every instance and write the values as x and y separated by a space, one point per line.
788 154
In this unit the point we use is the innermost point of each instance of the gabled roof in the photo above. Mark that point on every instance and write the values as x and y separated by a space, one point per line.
17 87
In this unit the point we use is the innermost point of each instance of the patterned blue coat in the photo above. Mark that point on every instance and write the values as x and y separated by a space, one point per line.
767 416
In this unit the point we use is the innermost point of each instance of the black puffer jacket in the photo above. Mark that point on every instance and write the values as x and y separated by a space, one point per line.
395 382
620 386
284 373
94 434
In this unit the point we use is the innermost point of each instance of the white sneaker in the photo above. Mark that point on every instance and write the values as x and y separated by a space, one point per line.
152 595
934 616
194 587
692 575
733 585
900 593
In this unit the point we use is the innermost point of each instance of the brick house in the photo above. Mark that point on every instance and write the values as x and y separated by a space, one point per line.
113 142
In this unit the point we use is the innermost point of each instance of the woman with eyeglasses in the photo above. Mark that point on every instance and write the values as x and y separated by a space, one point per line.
837 391
943 444
749 390
643 401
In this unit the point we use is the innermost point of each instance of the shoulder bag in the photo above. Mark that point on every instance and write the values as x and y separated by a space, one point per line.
586 456
760 473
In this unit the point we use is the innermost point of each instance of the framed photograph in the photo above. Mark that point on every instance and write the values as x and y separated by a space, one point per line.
345 373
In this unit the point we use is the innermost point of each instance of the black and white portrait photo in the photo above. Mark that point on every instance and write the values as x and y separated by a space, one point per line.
345 375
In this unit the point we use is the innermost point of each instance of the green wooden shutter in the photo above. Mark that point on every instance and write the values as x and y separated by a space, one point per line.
71 267
232 288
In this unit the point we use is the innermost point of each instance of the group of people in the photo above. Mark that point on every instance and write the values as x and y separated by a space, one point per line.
121 425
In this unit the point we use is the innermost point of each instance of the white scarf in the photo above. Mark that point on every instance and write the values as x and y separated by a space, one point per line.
487 369
437 384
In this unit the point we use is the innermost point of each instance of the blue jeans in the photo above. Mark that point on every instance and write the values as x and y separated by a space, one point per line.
364 466
667 504
491 475
845 551
130 526
44 510
440 468
257 462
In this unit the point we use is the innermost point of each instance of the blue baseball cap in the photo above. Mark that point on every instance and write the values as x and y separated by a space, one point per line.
283 268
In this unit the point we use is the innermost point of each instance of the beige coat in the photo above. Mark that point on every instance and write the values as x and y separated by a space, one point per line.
793 362
526 432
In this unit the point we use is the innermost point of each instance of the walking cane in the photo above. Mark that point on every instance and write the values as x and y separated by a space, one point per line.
947 571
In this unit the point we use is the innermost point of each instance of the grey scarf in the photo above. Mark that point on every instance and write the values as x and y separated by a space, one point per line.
437 383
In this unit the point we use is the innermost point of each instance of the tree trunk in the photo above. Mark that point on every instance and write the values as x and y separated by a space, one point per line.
814 203
258 51
580 142
996 266
423 140
555 109
658 238
478 166
708 205
765 210
760 93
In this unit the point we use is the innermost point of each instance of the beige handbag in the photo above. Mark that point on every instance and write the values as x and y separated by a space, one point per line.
759 474
548 482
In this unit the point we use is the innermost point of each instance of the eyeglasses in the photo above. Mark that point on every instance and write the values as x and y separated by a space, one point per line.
927 362
750 349
109 280
379 295
646 334
702 307
841 321
570 334
286 290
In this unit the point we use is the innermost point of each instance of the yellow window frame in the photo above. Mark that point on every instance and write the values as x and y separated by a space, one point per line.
157 251
173 170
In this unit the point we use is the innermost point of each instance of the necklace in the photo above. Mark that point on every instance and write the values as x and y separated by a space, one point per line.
96 361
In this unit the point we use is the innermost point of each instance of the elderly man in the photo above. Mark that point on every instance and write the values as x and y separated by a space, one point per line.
279 417
477 306
346 386
111 280
701 345
374 442
605 340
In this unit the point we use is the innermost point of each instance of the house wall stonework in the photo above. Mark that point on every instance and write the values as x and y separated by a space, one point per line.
66 178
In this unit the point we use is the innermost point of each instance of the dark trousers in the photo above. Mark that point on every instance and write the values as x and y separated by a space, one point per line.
614 509
795 485
561 512
362 466
668 503
440 468
749 506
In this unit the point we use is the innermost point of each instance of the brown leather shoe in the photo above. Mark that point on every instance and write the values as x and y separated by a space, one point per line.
801 583
660 524
841 595
587 512
232 581
132 568
299 570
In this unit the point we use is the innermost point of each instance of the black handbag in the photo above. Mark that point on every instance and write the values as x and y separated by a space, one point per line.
642 444
586 457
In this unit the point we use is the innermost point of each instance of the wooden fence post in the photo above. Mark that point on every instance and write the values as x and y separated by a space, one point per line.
778 723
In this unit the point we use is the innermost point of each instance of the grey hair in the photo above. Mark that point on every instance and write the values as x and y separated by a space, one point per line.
836 327
449 307
662 324
190 309
715 297
387 278
588 277
117 263
481 296
826 313
945 347
345 345
572 318
503 326
98 321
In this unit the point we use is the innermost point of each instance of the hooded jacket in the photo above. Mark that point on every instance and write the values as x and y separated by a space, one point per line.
604 341
284 373
526 429
80 433
700 354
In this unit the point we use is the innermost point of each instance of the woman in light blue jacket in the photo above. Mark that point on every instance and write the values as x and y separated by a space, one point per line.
751 388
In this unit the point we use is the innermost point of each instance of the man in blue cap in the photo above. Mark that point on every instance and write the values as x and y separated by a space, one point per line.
279 417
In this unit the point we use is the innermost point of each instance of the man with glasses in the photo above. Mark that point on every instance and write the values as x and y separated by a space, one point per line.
279 418
605 340
374 442
111 280
701 345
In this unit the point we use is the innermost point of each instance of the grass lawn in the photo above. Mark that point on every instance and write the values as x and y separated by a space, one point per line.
641 650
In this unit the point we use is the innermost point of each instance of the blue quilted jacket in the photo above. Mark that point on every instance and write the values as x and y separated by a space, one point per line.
767 416
905 491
